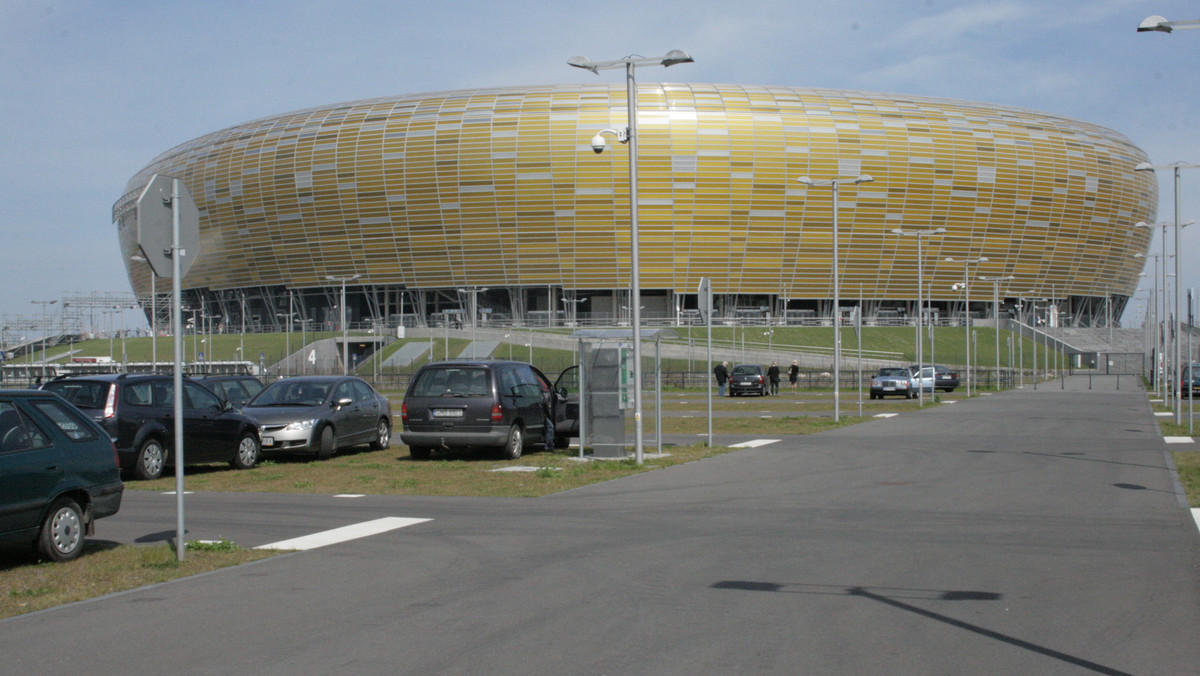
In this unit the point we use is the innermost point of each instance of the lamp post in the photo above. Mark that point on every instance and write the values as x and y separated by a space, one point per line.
45 330
287 345
996 316
1175 167
920 235
345 334
153 313
629 135
474 293
571 305
833 184
967 307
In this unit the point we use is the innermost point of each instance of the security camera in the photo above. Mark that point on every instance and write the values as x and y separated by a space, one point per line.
598 143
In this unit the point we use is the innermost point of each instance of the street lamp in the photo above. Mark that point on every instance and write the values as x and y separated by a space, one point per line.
571 305
1175 167
474 312
920 235
965 286
1161 25
833 184
45 329
345 334
629 135
153 313
996 316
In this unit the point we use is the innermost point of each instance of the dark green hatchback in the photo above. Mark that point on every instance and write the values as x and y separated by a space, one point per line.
58 474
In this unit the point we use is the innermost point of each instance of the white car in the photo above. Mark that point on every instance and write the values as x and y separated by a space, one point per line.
892 381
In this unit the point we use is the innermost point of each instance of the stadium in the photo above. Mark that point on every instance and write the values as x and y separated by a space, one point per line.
491 204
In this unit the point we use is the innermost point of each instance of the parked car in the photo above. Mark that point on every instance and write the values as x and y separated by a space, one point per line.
486 404
747 379
935 377
58 474
892 381
1189 378
138 412
235 389
321 415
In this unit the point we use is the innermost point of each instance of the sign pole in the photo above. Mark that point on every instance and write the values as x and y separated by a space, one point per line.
177 331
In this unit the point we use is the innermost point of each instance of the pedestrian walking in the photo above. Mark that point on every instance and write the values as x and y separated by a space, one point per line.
793 375
721 373
773 377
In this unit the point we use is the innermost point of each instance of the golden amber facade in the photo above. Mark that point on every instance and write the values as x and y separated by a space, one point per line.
500 188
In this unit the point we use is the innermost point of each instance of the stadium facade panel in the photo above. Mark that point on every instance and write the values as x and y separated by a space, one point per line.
426 195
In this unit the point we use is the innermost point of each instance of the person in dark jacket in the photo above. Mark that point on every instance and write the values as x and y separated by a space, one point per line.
773 377
721 373
793 375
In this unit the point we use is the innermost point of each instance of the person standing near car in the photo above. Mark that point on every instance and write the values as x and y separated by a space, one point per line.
721 373
773 377
793 374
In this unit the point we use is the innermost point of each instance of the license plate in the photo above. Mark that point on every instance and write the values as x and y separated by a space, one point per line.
268 441
889 389
447 413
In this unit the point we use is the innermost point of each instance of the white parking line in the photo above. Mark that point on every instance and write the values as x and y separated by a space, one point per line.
1178 440
886 415
344 534
1196 516
755 443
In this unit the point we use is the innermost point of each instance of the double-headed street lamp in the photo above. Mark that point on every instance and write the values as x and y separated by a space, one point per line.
996 316
629 135
966 288
920 235
833 184
474 311
345 334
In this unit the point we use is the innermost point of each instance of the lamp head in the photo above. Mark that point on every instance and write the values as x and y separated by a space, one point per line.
864 178
675 56
805 180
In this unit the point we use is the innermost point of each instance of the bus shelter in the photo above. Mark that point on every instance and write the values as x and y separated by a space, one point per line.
606 389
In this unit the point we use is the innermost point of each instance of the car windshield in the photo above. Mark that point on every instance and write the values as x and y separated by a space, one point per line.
746 370
452 382
292 393
893 372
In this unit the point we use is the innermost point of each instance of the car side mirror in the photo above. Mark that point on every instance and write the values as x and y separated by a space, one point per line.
343 402
562 392
227 406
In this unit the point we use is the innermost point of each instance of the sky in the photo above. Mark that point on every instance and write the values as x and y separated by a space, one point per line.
92 91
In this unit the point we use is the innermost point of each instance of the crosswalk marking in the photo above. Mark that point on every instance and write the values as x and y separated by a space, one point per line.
344 534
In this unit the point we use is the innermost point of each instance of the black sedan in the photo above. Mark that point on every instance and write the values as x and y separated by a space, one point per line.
320 414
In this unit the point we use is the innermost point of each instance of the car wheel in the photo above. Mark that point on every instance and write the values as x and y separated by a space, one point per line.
247 452
150 460
326 446
383 435
420 452
516 443
61 538
561 442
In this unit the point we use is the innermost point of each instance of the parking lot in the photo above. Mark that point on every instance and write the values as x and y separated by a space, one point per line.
1029 531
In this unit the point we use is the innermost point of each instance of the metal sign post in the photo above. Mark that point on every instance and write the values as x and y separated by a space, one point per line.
168 225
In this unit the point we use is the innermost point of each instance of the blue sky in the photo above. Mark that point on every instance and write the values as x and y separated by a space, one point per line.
90 92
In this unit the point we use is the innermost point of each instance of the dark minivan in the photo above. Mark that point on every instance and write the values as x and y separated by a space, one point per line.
484 404
58 474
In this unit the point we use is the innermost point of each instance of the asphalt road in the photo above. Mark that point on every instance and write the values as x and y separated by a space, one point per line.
1027 532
